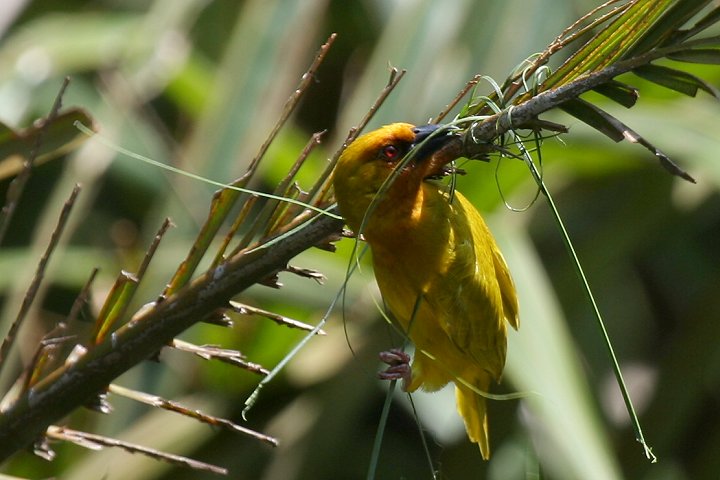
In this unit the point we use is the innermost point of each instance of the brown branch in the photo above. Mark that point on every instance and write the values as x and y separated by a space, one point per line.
153 327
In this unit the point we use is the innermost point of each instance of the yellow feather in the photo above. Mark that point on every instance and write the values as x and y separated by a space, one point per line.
432 246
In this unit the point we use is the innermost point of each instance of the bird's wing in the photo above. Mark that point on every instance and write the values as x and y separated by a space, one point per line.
475 295
507 289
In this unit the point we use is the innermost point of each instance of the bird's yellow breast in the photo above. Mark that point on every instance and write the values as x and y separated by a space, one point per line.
444 255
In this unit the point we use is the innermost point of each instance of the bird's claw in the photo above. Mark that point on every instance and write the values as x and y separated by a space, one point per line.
394 357
398 366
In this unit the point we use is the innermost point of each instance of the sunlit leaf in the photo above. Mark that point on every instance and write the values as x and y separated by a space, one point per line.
672 19
611 43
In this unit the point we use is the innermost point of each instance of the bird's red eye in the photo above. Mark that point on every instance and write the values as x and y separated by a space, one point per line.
391 152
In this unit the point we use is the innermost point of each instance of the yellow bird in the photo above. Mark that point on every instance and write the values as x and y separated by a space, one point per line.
440 272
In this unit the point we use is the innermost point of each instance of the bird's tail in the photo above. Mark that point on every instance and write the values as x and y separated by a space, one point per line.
472 409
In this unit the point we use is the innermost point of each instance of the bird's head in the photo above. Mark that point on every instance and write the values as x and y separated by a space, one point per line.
371 159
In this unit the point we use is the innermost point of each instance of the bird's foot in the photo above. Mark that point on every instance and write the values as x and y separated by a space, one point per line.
398 366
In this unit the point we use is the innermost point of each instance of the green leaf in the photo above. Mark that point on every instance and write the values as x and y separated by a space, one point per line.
712 42
677 80
617 130
115 306
598 119
612 43
674 18
709 56
704 23
619 92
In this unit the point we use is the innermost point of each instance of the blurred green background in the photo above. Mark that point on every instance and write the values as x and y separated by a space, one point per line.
199 83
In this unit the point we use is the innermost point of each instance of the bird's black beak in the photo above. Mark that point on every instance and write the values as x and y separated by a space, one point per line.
434 144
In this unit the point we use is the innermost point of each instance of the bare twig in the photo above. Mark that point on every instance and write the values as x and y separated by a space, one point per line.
210 352
292 102
285 211
240 220
264 220
225 199
320 191
98 442
156 401
468 86
39 275
82 297
243 309
167 223
306 273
